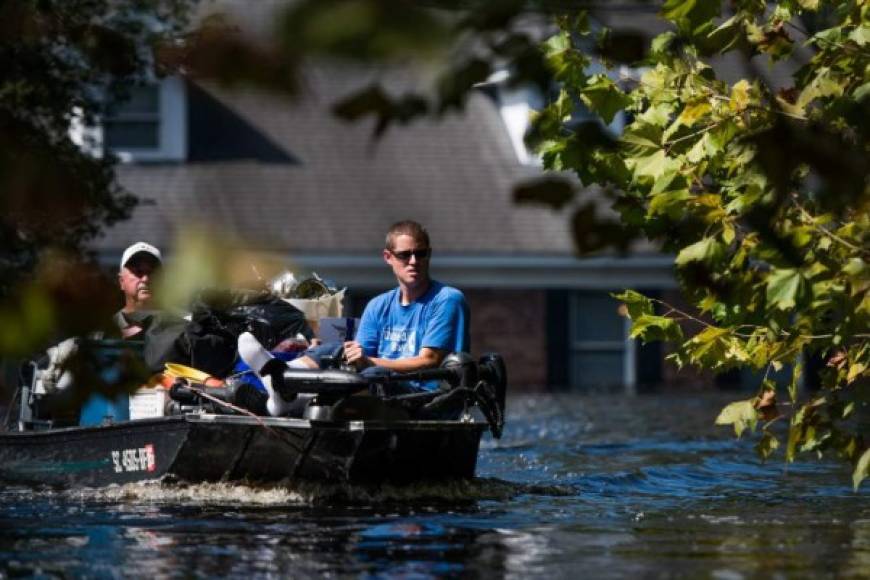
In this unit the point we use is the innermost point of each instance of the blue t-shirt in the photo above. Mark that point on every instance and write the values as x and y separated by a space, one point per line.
438 319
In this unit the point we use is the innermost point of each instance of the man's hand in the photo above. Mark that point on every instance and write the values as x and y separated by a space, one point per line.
428 358
355 355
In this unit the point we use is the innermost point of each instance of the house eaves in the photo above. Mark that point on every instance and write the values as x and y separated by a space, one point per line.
506 272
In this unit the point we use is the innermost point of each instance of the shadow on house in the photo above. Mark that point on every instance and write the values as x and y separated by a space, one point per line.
217 133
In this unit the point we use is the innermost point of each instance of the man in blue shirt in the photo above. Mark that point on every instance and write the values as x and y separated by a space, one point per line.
409 328
417 324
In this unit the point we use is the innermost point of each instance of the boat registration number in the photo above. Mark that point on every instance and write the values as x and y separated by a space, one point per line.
137 459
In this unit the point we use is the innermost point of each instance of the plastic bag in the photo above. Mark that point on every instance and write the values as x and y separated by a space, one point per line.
316 297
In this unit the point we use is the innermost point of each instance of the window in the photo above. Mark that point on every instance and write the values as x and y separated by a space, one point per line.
135 124
601 355
515 107
150 126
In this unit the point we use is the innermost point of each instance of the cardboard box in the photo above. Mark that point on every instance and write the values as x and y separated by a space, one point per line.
147 403
316 309
335 329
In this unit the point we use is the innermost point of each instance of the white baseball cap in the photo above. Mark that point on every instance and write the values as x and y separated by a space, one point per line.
140 247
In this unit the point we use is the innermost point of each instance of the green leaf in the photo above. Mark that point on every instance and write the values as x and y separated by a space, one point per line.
740 414
795 379
547 123
658 115
795 432
848 409
650 328
603 97
725 35
783 286
816 269
664 182
862 469
704 148
669 203
662 43
801 236
826 84
767 445
855 267
707 250
710 347
728 232
643 137
736 351
655 166
813 439
740 95
692 112
636 303
692 16
855 370
861 35
567 64
675 9
719 137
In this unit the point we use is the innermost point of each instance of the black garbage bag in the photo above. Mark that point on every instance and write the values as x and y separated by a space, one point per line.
270 319
208 341
202 343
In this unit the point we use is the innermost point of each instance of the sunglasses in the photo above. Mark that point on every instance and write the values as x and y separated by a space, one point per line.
405 255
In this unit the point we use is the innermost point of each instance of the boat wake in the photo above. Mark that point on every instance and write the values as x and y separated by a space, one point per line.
314 494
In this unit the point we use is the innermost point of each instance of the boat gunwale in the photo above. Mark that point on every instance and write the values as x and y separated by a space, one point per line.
354 425
189 419
175 421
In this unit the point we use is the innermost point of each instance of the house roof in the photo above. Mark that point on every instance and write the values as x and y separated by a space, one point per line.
291 176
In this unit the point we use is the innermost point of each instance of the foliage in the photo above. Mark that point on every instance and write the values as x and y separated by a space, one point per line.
62 61
760 190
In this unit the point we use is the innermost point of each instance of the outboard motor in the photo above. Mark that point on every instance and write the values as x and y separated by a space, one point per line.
491 391
463 366
483 383
492 369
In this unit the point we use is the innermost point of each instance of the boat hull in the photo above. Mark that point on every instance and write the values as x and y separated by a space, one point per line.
207 448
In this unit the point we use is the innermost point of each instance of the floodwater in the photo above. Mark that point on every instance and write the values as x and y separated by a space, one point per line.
591 487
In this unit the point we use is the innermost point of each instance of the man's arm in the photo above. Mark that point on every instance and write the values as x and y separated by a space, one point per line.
428 358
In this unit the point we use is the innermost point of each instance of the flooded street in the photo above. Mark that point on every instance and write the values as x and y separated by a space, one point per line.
592 487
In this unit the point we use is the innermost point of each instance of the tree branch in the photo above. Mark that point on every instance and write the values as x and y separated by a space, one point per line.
812 221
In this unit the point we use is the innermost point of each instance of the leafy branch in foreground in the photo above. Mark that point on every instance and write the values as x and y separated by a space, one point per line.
62 62
761 191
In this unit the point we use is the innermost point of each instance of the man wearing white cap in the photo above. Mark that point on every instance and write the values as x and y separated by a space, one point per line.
139 263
